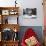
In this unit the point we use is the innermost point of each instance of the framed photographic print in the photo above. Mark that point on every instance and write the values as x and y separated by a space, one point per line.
5 12
30 12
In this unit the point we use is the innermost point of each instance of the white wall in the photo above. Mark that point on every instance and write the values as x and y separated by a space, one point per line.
7 3
27 4
32 4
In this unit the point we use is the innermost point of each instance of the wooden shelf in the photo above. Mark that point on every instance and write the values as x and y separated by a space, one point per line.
4 13
9 43
5 8
10 26
9 9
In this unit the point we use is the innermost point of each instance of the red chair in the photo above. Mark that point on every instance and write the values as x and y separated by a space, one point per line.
29 33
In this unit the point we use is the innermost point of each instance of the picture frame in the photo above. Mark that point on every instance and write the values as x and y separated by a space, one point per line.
5 12
30 12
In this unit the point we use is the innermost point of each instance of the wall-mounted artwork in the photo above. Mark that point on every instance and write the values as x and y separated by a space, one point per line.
30 12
